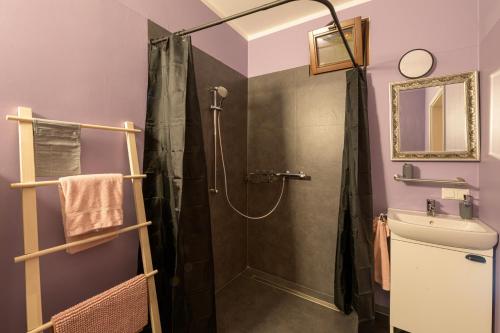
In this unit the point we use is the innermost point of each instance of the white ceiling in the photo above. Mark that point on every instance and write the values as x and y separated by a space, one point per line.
276 19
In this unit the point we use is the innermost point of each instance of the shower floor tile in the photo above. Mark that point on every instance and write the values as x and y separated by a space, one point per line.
249 306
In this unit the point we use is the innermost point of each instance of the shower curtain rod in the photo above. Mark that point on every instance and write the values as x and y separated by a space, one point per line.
270 5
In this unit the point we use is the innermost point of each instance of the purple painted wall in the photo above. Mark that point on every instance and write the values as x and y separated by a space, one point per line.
83 61
67 61
489 62
453 43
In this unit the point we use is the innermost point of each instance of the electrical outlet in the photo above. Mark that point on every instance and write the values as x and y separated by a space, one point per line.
454 193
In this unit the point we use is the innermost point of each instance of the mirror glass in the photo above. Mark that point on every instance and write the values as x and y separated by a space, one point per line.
433 119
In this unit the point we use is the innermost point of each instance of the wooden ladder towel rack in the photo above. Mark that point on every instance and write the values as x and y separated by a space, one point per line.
32 253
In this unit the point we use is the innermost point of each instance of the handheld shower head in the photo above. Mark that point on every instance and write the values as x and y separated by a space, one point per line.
222 91
218 92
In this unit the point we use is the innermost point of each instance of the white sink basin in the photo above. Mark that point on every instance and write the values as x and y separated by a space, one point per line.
442 229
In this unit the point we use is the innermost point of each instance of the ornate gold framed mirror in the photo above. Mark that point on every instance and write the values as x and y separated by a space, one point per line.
435 119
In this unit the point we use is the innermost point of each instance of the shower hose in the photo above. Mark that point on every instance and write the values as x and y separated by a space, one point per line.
283 180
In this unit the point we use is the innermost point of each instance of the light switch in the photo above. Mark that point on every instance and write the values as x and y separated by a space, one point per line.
460 192
448 193
454 193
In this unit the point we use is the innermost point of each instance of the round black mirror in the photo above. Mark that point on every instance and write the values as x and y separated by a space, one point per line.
416 63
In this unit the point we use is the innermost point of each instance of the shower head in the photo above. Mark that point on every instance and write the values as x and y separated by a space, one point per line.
222 91
218 92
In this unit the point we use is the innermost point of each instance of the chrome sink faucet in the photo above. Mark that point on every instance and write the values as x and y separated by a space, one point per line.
431 207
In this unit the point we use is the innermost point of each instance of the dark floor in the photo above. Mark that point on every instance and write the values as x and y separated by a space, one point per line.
249 306
380 325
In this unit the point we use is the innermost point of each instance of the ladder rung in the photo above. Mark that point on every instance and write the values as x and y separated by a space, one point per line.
55 182
80 242
51 324
101 127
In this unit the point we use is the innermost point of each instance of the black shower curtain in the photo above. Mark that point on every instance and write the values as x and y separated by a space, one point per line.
176 191
354 260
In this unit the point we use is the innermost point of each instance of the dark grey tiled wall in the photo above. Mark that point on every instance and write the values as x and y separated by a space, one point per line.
296 122
228 229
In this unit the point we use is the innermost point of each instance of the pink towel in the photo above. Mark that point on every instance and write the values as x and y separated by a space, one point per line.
121 309
381 253
91 205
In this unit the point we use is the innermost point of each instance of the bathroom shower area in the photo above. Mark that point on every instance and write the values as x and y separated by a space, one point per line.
274 150
296 124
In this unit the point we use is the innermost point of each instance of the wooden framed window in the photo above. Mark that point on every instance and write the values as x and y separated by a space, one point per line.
327 49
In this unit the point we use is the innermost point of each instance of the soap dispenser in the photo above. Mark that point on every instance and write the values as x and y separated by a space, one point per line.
466 207
407 171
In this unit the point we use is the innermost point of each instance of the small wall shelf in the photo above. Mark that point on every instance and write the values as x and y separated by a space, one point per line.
457 182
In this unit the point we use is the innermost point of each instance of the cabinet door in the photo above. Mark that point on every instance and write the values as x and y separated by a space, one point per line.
435 290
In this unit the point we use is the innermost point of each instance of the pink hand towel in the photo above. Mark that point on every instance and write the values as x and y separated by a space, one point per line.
91 205
381 254
121 309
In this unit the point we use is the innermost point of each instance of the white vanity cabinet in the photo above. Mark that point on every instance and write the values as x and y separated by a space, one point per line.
440 289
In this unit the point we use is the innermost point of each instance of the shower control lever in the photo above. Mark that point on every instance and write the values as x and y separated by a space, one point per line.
296 176
270 176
